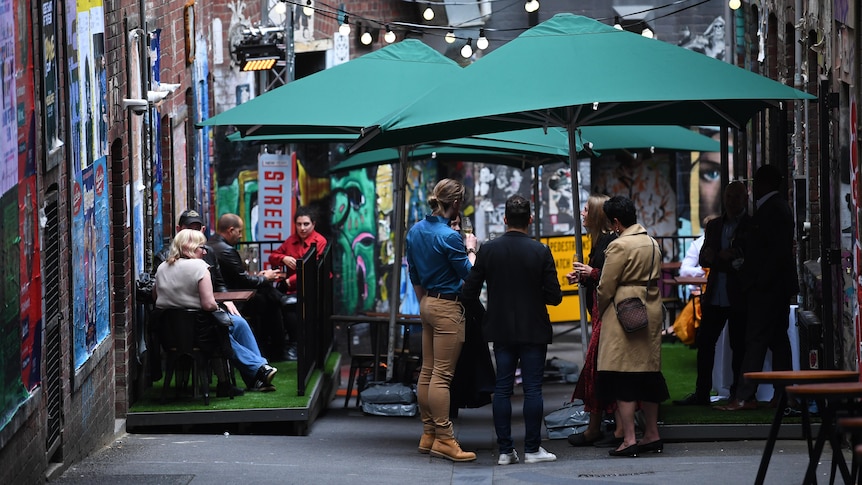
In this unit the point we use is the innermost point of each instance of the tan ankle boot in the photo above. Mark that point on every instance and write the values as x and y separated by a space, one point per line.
426 442
451 450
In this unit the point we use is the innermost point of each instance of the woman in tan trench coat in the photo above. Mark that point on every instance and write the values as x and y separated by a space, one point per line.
629 364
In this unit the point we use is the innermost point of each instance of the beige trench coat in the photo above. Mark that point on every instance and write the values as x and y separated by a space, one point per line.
630 261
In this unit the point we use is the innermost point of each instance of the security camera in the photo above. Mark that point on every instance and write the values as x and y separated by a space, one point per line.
138 106
157 96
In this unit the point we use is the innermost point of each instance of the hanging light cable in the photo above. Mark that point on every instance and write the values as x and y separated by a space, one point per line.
467 50
389 36
482 41
450 37
344 28
308 9
531 6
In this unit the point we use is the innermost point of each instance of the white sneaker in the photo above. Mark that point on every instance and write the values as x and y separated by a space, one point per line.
539 456
508 458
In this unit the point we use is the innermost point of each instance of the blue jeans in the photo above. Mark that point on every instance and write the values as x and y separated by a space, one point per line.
247 356
532 358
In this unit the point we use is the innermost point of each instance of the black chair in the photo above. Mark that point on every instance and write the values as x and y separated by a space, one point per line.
367 344
188 338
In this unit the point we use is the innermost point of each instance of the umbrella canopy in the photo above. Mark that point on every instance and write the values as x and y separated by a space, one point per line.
572 71
532 147
344 99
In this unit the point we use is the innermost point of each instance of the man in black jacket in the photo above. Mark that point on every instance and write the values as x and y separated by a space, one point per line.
266 306
522 279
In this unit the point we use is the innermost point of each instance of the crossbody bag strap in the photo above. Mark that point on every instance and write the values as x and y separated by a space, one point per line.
652 265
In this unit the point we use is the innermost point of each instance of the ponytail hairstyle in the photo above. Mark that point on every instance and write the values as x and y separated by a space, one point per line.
445 193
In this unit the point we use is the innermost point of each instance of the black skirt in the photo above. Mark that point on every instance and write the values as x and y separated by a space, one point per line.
632 386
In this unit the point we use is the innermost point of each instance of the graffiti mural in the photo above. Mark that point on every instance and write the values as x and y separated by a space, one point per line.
354 223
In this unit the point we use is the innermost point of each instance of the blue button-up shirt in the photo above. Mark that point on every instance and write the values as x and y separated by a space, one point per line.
436 258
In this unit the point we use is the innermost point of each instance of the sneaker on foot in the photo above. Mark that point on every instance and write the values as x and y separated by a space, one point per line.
539 456
261 386
508 458
266 373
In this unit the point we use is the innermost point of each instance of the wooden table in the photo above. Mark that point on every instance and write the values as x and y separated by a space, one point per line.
690 280
234 295
781 379
828 396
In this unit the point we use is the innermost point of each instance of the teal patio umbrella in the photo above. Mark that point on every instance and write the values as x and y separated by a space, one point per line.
338 102
570 72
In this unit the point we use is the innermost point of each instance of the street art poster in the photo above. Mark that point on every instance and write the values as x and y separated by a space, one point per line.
11 385
203 174
90 246
50 117
158 217
272 213
559 207
8 120
180 170
856 226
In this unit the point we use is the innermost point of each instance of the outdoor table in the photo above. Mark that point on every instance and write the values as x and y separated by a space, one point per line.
854 427
781 379
828 396
234 295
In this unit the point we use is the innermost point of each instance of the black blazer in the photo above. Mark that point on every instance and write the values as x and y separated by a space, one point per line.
712 257
522 279
770 266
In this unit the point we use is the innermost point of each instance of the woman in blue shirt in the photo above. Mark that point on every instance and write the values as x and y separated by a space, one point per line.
437 262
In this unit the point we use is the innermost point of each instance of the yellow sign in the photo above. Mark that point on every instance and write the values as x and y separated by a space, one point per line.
563 250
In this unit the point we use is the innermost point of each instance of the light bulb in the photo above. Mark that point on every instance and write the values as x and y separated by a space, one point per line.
482 41
365 38
450 37
734 4
428 14
389 36
280 8
467 50
617 24
595 106
647 33
308 9
531 6
344 28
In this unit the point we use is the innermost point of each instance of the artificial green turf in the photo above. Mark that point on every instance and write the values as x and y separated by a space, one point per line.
679 366
283 397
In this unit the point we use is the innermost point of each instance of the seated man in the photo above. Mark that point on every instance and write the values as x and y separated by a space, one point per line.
294 248
254 369
266 314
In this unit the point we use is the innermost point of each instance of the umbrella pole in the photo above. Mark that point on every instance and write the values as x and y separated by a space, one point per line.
571 130
399 189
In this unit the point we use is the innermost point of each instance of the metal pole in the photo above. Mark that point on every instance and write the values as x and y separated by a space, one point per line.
579 246
399 182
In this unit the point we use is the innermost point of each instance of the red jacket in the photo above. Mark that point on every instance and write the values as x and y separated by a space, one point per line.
295 248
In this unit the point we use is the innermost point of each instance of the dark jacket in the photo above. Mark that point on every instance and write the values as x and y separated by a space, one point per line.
522 279
712 257
232 268
770 266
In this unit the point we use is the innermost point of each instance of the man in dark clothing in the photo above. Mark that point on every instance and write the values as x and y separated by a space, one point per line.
768 273
522 279
724 299
265 307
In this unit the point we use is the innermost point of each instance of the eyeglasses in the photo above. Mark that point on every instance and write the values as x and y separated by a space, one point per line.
202 248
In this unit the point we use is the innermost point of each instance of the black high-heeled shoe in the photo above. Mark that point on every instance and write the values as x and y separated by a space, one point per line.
656 446
629 451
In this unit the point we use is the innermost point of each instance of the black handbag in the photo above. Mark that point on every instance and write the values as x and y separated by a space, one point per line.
632 312
221 318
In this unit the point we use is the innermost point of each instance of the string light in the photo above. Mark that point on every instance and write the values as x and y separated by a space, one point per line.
531 6
734 4
450 37
428 14
482 41
308 9
344 28
467 50
366 38
647 33
280 8
617 24
389 36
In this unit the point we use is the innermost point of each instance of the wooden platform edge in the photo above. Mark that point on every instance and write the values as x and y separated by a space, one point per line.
300 418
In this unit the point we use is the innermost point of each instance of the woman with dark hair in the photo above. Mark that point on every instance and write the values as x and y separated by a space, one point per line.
588 275
437 262
629 363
